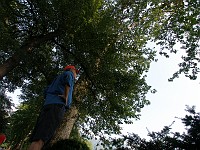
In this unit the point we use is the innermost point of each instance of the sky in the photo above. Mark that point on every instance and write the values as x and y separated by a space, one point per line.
169 101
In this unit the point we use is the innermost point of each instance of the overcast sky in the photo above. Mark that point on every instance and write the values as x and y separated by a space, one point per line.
170 99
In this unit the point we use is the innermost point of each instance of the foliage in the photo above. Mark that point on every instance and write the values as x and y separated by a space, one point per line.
26 115
5 110
165 139
179 23
22 123
70 145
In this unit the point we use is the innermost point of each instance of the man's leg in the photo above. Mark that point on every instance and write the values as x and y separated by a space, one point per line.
48 121
36 145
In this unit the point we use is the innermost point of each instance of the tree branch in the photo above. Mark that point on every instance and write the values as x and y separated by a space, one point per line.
27 47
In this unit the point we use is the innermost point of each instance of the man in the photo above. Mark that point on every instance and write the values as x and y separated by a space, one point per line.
58 98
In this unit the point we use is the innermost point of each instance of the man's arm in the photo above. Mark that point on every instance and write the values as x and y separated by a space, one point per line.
66 93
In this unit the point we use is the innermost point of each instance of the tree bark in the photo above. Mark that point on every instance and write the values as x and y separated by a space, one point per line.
15 59
80 92
63 132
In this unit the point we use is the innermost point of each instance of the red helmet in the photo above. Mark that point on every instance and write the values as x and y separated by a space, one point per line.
71 67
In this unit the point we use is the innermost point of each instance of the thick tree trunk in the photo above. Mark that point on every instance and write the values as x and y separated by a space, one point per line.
63 132
14 60
80 92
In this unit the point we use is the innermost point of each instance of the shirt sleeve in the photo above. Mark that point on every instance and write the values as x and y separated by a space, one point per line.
68 79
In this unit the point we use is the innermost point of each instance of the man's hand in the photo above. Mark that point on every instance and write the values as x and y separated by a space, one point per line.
63 96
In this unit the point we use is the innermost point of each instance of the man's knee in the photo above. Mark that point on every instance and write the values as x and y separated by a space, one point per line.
36 145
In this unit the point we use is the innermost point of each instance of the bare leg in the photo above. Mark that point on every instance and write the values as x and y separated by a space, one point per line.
36 145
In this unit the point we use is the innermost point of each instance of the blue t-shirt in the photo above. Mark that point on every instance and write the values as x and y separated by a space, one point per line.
57 87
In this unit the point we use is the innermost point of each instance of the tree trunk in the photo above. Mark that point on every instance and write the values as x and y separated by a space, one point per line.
80 92
63 132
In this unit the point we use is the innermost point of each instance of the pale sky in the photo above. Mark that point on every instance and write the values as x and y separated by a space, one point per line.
170 99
